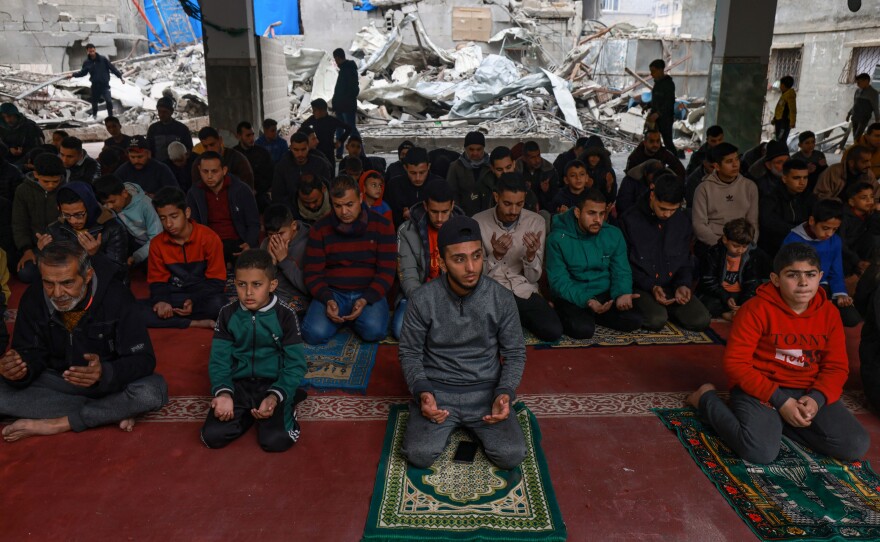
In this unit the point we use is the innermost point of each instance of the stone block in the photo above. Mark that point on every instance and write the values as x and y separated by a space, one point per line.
49 12
13 25
89 27
32 26
71 26
31 12
108 26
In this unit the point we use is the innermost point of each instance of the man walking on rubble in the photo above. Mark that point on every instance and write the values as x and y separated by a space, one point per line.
99 69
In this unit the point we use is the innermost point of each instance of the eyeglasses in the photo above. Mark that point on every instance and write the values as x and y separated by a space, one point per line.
77 216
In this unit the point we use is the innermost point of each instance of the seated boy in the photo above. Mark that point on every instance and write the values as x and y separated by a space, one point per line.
33 209
576 181
135 210
858 229
185 268
373 188
732 270
286 240
818 231
786 349
257 362
816 162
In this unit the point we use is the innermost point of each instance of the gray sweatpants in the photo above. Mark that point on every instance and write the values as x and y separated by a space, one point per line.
424 441
754 430
50 396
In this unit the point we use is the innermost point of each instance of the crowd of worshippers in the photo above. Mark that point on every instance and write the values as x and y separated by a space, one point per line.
352 243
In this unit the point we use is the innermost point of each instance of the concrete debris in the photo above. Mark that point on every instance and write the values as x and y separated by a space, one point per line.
64 102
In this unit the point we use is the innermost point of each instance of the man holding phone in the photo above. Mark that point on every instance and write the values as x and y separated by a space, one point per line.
455 333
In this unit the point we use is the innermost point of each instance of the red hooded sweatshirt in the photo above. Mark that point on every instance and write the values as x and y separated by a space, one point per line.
771 346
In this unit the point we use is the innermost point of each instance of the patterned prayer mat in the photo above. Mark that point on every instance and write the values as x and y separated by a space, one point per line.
800 496
462 502
344 363
669 335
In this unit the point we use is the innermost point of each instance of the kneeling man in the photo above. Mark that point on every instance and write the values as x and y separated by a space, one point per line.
81 356
455 333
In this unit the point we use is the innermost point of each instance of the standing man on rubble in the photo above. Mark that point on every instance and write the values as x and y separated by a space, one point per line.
99 69
345 95
662 111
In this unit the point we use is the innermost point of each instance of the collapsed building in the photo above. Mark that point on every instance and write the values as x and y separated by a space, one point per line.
511 68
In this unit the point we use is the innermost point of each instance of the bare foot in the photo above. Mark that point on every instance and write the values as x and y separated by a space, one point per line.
127 425
694 398
23 429
205 324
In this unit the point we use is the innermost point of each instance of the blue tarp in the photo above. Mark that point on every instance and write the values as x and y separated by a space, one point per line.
266 12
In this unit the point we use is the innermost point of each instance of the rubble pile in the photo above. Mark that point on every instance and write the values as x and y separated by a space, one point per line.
54 101
424 89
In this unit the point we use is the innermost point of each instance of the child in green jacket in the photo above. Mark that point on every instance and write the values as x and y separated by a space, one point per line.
257 362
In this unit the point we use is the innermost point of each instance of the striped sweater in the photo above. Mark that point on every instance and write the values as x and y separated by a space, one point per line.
357 256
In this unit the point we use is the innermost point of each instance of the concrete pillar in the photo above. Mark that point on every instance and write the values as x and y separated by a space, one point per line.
231 65
738 76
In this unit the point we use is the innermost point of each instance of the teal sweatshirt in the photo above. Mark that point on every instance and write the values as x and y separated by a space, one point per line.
581 266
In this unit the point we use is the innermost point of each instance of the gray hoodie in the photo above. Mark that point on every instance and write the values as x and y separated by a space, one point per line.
455 344
716 203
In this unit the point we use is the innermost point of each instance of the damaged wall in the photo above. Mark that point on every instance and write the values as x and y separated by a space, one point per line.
52 36
558 34
826 34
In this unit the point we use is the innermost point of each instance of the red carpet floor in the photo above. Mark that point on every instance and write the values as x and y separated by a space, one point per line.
618 473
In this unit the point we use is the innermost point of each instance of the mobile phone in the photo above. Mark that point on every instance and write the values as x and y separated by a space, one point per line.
466 452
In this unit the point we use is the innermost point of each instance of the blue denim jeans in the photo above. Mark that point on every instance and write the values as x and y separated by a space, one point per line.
371 325
351 120
397 320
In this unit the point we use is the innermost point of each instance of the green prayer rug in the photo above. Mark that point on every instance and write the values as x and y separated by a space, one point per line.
802 495
463 502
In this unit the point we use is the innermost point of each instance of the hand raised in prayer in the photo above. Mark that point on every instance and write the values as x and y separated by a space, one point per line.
43 239
500 409
12 367
185 310
792 414
89 243
500 245
532 242
163 310
682 295
223 407
660 296
84 376
430 410
599 308
267 408
356 310
332 312
625 302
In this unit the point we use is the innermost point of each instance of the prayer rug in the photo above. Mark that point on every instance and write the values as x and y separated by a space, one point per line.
344 363
800 496
669 335
463 502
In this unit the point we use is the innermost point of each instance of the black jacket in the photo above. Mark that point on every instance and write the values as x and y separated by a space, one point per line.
242 209
86 171
262 166
285 180
325 128
663 100
113 327
401 193
754 271
640 156
99 71
659 251
859 236
347 88
697 158
779 212
10 178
